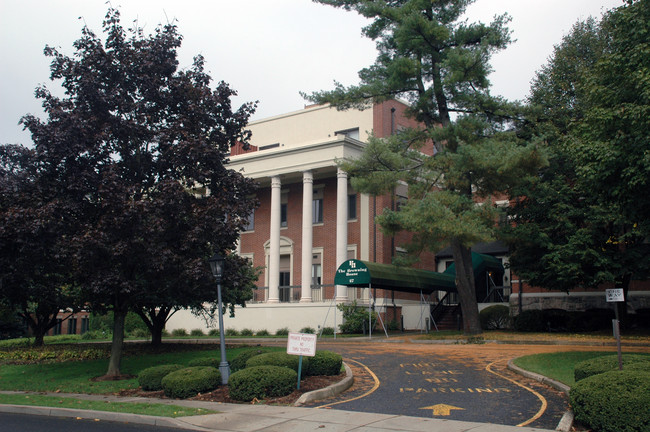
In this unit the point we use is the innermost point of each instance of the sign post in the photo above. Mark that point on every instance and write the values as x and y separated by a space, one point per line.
301 344
616 295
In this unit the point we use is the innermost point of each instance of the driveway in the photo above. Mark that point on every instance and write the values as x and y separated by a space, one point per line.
456 382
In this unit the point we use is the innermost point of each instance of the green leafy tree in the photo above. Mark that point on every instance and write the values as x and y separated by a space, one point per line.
146 146
439 63
586 221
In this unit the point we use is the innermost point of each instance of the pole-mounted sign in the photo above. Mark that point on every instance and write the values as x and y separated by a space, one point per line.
615 295
301 344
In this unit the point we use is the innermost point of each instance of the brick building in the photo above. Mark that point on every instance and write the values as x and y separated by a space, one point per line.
310 219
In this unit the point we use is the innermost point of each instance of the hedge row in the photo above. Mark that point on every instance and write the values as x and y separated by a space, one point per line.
607 399
254 374
615 401
608 363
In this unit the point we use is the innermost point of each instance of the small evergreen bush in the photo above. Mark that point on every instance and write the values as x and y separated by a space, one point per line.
205 361
615 401
150 378
232 332
139 333
262 332
261 382
246 332
355 318
282 332
495 317
197 332
308 330
530 321
179 332
607 363
190 381
279 359
325 363
213 332
239 362
328 331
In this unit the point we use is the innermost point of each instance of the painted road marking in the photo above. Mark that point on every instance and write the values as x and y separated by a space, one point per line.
539 396
374 387
442 409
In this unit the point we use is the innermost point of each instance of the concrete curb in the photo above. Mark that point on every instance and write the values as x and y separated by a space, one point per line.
332 390
567 419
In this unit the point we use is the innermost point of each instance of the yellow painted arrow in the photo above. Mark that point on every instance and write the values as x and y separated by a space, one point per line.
442 409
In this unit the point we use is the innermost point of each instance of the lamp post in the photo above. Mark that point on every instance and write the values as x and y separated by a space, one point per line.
216 264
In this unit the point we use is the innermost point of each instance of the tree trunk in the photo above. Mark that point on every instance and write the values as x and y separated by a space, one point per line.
466 288
39 325
117 344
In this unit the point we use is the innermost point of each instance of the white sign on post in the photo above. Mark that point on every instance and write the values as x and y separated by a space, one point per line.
614 295
303 344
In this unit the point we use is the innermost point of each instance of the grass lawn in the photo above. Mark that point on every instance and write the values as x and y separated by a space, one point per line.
77 376
160 410
560 365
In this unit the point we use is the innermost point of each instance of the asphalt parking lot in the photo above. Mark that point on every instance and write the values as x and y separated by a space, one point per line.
455 382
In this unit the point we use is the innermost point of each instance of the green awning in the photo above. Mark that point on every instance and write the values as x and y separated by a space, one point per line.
359 273
480 263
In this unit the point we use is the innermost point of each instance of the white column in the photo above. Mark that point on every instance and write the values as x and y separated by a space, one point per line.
307 235
274 245
341 228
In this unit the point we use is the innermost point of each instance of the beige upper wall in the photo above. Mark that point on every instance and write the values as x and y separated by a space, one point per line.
315 124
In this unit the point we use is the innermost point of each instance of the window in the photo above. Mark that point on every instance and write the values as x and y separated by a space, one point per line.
283 214
317 205
250 225
284 205
317 210
401 195
316 275
352 206
72 325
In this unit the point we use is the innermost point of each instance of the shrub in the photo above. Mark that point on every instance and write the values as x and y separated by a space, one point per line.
282 332
246 332
392 325
308 330
329 331
179 332
232 332
96 334
606 363
262 332
139 333
239 362
325 363
204 361
213 332
197 332
261 382
530 321
495 317
615 401
355 318
187 382
598 319
279 359
150 378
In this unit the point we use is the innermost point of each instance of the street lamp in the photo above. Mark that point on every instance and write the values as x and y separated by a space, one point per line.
216 264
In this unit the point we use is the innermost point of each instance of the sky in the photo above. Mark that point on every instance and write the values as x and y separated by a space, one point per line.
266 50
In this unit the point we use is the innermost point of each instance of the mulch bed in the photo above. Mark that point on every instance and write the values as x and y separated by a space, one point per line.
221 394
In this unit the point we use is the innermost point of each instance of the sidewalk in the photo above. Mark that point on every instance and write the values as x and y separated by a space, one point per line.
249 418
